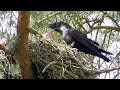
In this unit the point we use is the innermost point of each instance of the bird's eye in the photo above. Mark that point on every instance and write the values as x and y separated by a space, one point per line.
57 24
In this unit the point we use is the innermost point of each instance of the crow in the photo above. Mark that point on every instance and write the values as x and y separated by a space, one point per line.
78 40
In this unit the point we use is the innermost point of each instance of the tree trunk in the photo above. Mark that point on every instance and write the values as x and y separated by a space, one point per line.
22 52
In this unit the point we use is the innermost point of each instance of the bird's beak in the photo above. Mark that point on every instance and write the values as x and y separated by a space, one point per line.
51 26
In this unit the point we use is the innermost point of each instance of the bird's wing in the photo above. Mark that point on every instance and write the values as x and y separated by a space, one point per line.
82 39
91 40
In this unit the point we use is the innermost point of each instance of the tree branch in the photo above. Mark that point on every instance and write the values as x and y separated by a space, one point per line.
107 70
54 14
110 17
103 27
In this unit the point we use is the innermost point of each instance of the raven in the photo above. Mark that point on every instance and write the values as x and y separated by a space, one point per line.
78 40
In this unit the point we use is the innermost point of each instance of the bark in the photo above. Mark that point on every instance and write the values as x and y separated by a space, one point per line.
2 47
22 52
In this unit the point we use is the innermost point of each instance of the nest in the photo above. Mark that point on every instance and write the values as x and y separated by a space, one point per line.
58 61
50 60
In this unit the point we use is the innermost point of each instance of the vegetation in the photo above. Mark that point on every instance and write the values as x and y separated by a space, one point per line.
49 57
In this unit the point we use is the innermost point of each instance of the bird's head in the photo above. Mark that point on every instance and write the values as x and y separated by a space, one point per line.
60 26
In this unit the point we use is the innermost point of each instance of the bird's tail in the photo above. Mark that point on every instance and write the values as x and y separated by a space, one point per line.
103 51
104 58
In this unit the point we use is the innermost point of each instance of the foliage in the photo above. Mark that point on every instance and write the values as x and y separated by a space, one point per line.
101 26
8 70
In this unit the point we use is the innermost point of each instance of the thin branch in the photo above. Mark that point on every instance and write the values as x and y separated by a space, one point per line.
86 21
54 14
110 17
105 37
99 25
107 70
116 75
103 27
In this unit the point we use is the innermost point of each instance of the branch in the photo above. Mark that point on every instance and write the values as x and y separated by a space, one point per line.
107 70
107 15
54 14
103 27
86 21
116 75
105 37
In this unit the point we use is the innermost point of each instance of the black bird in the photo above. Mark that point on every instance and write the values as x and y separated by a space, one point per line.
78 40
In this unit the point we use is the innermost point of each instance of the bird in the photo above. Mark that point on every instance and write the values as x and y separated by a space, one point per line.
78 40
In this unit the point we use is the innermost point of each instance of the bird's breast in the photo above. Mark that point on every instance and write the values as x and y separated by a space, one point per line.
68 39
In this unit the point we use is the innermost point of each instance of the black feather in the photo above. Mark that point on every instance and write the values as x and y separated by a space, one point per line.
81 42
